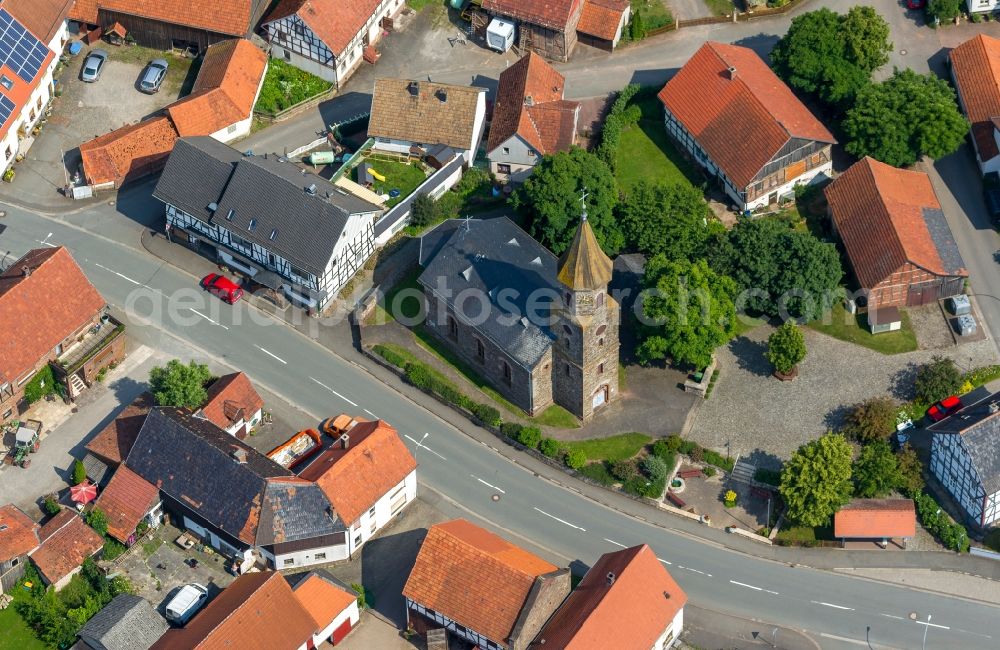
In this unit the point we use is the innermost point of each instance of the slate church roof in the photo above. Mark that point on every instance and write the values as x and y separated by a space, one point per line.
979 426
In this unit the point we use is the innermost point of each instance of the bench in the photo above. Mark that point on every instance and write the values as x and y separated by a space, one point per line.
690 473
676 500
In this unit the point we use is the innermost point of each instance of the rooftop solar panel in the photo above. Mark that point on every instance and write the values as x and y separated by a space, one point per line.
19 50
6 108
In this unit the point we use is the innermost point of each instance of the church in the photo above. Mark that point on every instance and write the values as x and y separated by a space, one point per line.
542 330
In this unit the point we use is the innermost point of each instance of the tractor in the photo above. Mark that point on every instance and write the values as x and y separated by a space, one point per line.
26 441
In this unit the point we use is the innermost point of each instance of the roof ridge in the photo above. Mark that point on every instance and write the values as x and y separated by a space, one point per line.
493 558
869 167
991 61
753 95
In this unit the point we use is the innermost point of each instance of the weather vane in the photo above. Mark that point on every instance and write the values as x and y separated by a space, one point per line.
583 202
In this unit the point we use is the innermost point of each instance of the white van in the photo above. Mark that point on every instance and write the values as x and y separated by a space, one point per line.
187 601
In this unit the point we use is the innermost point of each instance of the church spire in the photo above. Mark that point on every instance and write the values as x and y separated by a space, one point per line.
584 266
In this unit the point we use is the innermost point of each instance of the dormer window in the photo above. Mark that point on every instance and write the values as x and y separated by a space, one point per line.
252 226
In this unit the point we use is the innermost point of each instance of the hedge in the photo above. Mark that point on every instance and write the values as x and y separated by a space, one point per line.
530 437
939 524
620 117
983 375
549 447
598 472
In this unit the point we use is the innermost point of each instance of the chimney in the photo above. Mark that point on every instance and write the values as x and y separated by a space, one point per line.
240 455
666 594
25 270
442 95
311 189
414 88
529 100
611 578
345 441
731 72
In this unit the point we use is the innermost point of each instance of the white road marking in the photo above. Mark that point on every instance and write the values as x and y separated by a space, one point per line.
665 561
819 602
335 392
842 638
611 541
943 627
561 521
271 354
372 414
423 446
898 618
697 571
487 484
123 277
208 319
743 584
45 242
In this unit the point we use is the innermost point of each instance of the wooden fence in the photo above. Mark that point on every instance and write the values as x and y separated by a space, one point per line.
742 16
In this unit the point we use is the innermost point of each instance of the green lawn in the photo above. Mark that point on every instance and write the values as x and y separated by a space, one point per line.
746 323
558 417
612 448
398 176
654 13
285 85
14 632
407 305
804 535
720 7
646 153
853 328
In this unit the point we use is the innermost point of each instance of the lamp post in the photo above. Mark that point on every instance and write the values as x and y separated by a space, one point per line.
868 630
923 645
774 633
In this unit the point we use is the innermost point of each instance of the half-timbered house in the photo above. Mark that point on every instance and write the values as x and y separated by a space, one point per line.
553 28
266 217
965 461
324 37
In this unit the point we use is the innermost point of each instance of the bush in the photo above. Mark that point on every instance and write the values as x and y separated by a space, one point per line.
979 376
511 430
530 437
79 472
51 505
644 487
449 394
674 442
419 375
285 86
423 210
685 446
697 454
390 356
873 419
709 471
486 414
549 447
620 117
937 380
654 468
769 476
598 472
717 459
730 498
625 470
660 448
113 549
362 595
97 520
41 385
939 524
576 459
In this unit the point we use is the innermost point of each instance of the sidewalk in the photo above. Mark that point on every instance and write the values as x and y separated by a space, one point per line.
706 628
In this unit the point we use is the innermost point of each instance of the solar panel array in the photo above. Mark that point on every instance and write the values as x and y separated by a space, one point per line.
19 49
6 108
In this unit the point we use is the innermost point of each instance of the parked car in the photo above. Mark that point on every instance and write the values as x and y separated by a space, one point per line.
93 65
222 287
915 4
153 75
188 600
944 408
991 195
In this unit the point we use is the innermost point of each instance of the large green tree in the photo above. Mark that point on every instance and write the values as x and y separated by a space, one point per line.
816 480
668 218
832 55
937 379
876 472
907 116
177 384
782 272
873 419
944 9
688 312
551 196
786 347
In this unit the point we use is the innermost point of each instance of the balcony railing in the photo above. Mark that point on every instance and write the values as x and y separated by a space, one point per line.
95 340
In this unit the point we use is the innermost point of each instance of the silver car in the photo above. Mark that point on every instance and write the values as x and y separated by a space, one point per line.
93 65
153 76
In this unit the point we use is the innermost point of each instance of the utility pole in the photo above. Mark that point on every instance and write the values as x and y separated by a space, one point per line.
923 646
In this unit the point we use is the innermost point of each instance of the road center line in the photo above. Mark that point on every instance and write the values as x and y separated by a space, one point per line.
270 354
898 618
331 390
697 571
743 584
487 484
842 638
561 521
943 627
372 414
819 602
423 446
208 319
611 541
665 561
123 277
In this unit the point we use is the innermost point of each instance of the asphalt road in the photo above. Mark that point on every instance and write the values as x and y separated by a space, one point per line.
836 610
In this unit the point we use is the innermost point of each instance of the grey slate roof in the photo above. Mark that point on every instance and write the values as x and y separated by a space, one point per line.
944 240
266 192
979 427
126 623
295 509
495 258
97 470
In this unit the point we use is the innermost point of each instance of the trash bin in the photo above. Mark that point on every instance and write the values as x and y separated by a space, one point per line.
959 305
965 325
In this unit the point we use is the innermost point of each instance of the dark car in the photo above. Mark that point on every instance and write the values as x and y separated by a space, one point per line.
944 408
153 75
915 4
93 65
222 287
991 195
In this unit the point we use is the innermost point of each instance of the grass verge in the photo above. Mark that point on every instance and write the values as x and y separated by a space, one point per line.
852 328
285 85
612 448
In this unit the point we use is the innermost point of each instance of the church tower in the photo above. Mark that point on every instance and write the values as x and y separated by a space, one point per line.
585 355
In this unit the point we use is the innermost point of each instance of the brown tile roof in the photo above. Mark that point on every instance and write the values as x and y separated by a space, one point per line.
601 18
421 116
741 123
474 577
322 599
546 121
84 11
43 18
875 518
975 65
884 216
232 17
354 479
230 399
126 500
113 156
57 296
556 14
335 22
225 90
632 611
258 611
66 542
584 265
18 533
115 440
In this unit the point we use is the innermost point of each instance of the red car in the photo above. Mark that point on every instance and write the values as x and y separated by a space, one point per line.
944 408
915 4
222 287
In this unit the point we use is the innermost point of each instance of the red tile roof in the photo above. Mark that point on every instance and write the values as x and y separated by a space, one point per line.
43 18
875 518
474 577
225 90
129 151
232 17
18 533
20 92
975 65
602 18
633 611
556 14
879 211
59 300
126 500
116 439
256 611
66 542
84 11
335 22
741 123
230 399
354 479
546 121
322 599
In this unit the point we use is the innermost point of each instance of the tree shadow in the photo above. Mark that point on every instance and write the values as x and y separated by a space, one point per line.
763 459
901 383
762 44
751 356
836 418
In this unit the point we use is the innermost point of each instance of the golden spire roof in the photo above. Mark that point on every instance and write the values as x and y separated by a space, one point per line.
584 266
